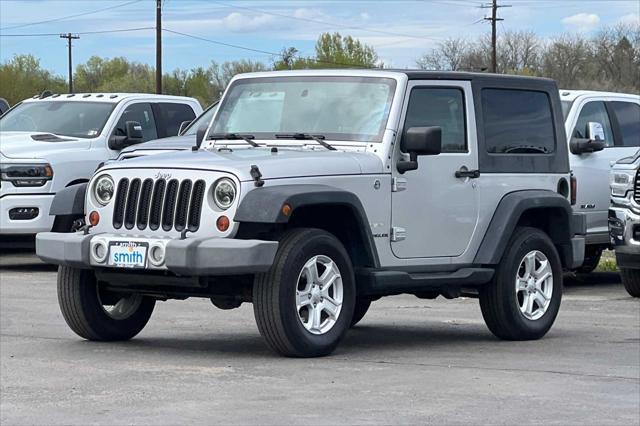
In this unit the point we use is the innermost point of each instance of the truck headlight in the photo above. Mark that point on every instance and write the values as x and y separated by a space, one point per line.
224 193
103 189
621 182
22 175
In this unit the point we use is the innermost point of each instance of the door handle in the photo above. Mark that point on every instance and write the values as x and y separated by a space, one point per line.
465 173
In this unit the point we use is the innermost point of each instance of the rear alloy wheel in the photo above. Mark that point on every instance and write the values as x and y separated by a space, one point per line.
523 300
304 304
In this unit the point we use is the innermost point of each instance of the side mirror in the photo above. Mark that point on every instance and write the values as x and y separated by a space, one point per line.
183 126
133 135
595 140
420 141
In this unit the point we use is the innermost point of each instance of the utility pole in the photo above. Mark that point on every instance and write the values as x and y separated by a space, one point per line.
159 47
494 38
70 37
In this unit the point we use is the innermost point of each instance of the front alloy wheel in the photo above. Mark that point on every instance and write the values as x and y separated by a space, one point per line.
534 285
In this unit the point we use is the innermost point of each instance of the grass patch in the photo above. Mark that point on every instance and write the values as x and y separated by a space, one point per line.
607 262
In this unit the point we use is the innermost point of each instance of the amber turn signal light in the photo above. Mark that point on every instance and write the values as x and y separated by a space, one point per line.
94 218
223 223
286 209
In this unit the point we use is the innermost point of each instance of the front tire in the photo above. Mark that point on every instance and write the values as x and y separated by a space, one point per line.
303 306
523 300
631 281
95 314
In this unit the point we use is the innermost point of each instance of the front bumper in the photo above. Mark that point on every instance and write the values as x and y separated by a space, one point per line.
624 229
40 223
188 257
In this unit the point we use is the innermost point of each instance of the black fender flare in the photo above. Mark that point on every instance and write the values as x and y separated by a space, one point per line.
509 212
265 205
69 201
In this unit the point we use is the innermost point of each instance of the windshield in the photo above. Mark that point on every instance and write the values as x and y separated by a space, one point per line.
201 121
339 108
75 119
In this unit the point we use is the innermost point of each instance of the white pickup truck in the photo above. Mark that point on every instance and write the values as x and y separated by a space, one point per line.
48 143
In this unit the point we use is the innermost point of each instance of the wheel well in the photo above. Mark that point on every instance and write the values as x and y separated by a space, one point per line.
555 223
343 222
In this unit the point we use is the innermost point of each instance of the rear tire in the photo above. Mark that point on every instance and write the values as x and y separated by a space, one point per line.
360 310
591 260
631 281
520 303
94 314
293 301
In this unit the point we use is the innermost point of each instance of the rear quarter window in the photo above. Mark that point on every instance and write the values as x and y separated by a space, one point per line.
174 115
517 122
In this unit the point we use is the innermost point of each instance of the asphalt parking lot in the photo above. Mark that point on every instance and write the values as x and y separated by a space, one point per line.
410 361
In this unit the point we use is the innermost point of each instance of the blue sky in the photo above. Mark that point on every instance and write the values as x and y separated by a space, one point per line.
399 30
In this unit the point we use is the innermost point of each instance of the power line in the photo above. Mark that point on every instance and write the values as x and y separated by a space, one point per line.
70 37
80 33
70 16
494 20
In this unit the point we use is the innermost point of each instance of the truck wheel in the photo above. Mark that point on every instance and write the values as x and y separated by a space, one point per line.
67 224
591 260
304 304
95 314
360 309
631 281
523 300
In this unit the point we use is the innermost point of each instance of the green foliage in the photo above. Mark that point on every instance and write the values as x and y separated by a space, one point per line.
23 77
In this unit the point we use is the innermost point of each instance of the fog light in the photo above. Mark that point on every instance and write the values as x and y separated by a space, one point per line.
223 223
23 213
94 218
100 252
156 255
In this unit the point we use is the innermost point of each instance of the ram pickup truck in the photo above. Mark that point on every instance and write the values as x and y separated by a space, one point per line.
52 142
314 193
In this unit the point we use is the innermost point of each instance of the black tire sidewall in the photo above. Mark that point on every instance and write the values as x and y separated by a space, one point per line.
320 243
529 239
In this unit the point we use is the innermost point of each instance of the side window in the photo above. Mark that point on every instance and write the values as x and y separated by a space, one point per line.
517 122
141 113
174 115
443 107
628 115
593 112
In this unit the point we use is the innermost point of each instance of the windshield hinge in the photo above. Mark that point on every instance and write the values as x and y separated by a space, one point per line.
256 176
398 184
398 234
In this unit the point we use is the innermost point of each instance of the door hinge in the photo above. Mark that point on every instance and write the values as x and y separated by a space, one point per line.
398 234
398 184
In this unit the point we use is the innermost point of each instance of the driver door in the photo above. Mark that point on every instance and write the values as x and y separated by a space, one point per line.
434 213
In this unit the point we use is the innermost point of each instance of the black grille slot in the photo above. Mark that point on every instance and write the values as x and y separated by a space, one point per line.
636 193
118 209
169 207
182 209
195 209
156 204
145 204
132 204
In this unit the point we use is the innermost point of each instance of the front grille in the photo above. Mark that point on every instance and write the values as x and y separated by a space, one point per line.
636 193
171 204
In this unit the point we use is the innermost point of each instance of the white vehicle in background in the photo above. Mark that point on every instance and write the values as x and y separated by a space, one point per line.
601 128
51 142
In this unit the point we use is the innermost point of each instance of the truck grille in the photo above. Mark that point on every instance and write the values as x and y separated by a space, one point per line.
636 193
169 204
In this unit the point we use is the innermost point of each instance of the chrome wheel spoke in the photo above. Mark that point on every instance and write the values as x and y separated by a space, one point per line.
530 264
331 307
303 299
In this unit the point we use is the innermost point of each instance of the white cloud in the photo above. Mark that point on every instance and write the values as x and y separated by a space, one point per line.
631 19
582 21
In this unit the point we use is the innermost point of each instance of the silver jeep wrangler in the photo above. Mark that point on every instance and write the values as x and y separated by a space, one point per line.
314 193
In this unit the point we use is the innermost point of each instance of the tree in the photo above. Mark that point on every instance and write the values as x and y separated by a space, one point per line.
336 51
23 77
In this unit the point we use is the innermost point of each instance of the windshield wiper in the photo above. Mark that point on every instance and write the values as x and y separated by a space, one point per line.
306 136
235 136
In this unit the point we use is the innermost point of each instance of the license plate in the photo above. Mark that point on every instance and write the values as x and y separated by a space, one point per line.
128 254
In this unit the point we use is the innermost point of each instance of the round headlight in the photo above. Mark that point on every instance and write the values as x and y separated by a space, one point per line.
224 193
103 189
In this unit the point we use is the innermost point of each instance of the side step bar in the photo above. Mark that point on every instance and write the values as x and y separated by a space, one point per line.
377 282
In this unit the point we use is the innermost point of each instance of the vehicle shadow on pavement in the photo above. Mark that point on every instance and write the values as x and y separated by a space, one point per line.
592 279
